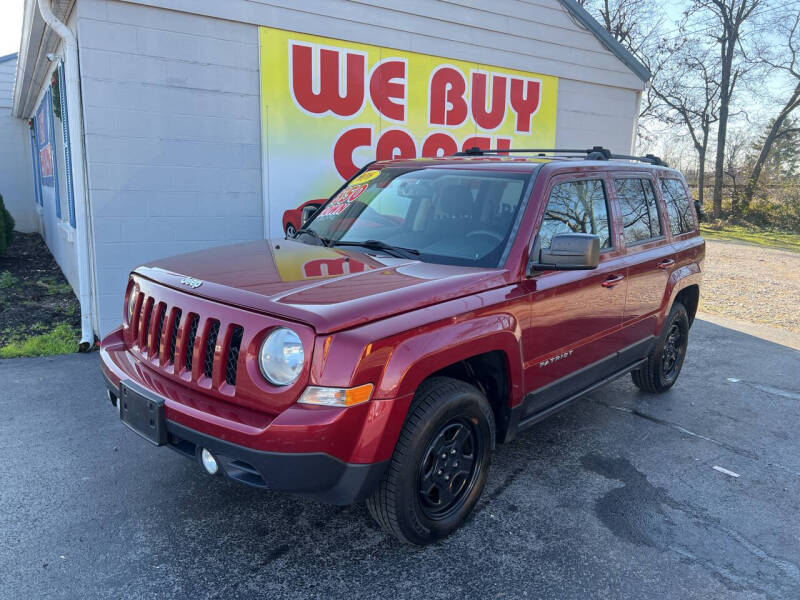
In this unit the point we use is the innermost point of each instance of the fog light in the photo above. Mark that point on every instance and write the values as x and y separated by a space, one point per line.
209 462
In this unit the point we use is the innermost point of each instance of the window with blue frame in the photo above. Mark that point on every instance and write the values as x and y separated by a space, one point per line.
45 154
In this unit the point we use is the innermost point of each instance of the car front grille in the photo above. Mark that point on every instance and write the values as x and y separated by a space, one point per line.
206 347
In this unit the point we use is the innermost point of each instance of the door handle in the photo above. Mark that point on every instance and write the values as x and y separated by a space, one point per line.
665 264
612 281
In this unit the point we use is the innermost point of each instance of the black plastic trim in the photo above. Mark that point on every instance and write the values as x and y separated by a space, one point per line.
312 474
549 399
315 475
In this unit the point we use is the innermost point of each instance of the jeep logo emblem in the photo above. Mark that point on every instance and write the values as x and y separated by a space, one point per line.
191 282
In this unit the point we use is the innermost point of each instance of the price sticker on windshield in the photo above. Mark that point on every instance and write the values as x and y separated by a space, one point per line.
365 177
343 200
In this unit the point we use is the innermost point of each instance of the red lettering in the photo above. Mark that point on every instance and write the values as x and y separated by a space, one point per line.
439 144
502 143
346 145
385 90
332 266
477 141
395 143
446 97
328 98
493 117
524 96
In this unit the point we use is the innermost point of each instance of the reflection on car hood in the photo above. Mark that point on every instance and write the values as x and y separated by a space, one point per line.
329 288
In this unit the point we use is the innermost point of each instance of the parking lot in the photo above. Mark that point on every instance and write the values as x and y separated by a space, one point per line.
614 497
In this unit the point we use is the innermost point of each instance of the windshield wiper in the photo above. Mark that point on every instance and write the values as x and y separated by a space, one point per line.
325 241
396 251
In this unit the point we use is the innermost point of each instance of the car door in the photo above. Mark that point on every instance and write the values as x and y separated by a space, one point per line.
649 255
576 316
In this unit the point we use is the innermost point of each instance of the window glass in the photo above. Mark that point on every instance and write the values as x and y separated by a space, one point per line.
448 216
576 207
637 202
680 216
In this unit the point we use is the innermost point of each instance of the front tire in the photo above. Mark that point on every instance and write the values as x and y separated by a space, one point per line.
439 466
291 231
665 360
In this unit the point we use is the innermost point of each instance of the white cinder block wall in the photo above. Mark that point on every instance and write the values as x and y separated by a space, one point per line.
16 170
171 104
172 137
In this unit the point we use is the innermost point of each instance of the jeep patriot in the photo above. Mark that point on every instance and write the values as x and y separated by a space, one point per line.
430 309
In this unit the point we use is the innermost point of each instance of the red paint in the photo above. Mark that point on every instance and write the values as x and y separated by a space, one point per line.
492 117
387 89
328 96
391 322
447 105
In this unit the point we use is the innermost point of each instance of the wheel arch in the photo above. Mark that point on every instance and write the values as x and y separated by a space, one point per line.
684 282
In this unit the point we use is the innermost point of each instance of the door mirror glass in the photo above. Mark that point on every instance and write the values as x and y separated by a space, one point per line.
308 211
568 252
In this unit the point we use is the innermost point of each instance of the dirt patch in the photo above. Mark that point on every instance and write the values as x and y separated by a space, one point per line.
34 295
752 283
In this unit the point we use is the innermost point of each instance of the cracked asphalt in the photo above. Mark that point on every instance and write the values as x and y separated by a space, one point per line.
614 497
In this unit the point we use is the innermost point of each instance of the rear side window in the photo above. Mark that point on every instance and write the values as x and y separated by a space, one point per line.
680 216
576 207
637 202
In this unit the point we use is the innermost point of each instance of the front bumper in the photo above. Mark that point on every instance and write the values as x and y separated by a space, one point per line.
315 475
334 455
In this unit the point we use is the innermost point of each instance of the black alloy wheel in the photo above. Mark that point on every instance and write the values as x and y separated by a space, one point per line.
449 468
440 463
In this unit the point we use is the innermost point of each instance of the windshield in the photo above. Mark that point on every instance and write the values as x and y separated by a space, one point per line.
439 215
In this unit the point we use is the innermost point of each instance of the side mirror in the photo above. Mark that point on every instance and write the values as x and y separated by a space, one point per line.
701 214
308 212
568 252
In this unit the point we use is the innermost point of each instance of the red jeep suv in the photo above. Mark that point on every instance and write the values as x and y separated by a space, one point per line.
430 309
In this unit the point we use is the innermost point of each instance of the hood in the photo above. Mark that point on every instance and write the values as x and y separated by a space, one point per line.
328 288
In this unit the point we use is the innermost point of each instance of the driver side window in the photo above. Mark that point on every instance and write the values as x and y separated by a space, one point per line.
576 207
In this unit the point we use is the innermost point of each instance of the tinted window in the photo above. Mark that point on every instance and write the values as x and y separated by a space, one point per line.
680 217
576 207
637 202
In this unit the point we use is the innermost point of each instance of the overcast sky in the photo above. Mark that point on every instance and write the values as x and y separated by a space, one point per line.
10 25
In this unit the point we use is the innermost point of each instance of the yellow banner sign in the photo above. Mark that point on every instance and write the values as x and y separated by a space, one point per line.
329 106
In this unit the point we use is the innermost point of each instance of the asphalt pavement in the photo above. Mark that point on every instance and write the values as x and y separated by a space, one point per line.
614 497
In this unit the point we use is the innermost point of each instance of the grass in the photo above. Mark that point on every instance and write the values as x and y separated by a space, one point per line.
7 280
55 287
760 237
62 339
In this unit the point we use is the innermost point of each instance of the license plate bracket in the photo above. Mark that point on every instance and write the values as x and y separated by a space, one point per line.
143 412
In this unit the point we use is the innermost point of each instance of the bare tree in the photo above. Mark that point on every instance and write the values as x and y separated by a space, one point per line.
735 156
729 18
633 23
782 124
636 25
687 95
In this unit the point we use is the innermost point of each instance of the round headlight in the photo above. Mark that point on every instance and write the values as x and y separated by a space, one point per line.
281 357
132 302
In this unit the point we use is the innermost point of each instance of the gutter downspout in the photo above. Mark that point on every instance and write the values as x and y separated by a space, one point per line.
73 93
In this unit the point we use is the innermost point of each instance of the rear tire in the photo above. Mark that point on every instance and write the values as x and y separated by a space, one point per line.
439 466
665 360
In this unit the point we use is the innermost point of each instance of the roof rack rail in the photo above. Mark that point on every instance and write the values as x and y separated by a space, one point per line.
593 153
